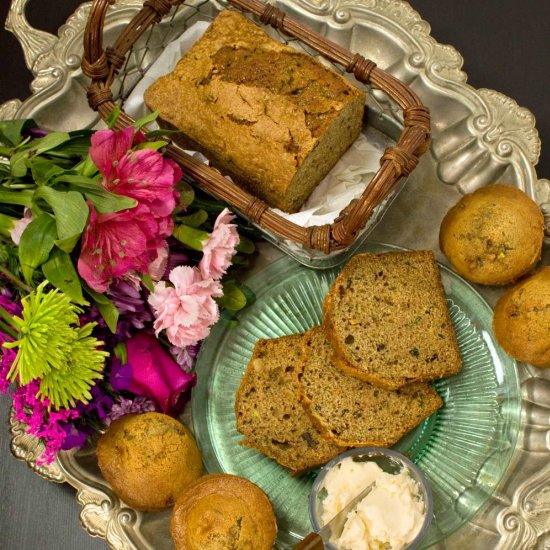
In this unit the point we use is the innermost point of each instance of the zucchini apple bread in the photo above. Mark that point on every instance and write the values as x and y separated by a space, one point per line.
269 414
387 318
355 413
274 119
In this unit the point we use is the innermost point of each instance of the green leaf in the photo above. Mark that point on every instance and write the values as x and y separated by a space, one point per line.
247 291
76 146
104 201
43 169
22 198
51 141
153 134
107 309
191 237
60 271
121 352
195 219
67 244
154 145
147 280
187 193
71 213
245 246
6 224
233 297
11 131
36 244
113 117
228 318
86 168
18 164
144 120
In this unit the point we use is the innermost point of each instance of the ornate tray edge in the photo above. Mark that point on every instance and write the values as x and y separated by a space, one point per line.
48 59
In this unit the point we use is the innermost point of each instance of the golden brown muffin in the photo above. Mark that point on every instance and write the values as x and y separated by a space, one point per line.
149 459
522 320
494 235
223 512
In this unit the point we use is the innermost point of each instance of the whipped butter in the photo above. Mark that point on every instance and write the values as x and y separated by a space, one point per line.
389 517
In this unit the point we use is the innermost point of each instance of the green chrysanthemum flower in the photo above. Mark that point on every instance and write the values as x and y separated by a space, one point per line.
53 348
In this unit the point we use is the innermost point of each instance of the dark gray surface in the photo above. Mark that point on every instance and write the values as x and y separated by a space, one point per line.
506 47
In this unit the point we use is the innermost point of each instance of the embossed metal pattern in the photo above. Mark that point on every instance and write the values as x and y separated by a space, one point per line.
480 136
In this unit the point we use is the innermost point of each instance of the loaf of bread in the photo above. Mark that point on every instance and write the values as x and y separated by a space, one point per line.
522 319
268 411
387 318
274 119
149 459
223 512
352 412
494 235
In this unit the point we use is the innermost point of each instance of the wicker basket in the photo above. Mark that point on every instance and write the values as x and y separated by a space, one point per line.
105 66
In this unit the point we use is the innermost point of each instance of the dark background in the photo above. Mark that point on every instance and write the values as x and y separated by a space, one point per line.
506 47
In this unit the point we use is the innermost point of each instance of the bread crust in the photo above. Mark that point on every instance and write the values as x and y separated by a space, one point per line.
149 459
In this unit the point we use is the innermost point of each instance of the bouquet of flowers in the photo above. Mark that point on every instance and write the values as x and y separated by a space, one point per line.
112 271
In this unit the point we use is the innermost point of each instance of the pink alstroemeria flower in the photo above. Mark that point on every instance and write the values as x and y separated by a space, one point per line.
220 247
155 374
114 244
144 175
186 310
20 225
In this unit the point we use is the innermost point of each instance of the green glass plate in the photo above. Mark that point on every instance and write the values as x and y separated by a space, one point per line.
464 449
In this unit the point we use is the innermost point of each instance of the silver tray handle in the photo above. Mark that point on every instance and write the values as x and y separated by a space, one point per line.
35 43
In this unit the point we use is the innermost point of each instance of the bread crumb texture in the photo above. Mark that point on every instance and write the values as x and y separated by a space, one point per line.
387 318
354 412
269 413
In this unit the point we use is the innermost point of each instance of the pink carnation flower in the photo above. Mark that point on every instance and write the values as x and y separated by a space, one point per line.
220 247
186 310
114 244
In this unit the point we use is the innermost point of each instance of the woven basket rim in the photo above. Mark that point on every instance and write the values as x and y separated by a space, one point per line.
102 65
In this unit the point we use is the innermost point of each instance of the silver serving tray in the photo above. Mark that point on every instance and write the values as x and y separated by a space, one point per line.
479 137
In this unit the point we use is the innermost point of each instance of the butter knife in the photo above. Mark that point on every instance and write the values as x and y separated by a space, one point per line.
317 541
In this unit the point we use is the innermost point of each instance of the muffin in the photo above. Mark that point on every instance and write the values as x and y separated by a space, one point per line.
223 511
149 459
522 320
494 235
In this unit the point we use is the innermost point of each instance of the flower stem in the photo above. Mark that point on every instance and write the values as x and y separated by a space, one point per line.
14 280
5 328
9 320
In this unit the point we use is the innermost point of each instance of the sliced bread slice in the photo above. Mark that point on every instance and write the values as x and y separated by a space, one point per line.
269 413
353 412
387 318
